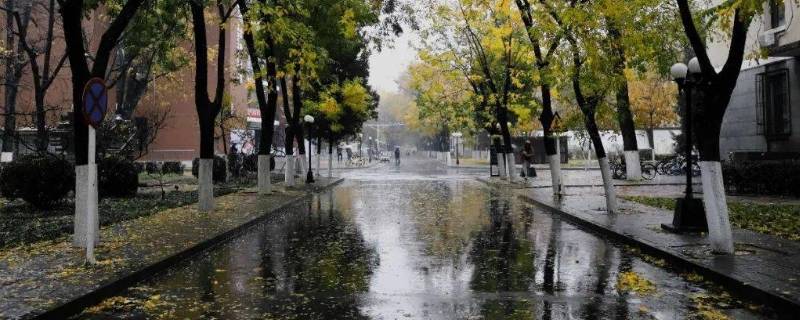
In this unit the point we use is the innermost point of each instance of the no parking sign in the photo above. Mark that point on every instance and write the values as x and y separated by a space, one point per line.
95 102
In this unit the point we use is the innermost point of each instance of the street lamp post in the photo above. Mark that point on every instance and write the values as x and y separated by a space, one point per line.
309 120
689 215
457 136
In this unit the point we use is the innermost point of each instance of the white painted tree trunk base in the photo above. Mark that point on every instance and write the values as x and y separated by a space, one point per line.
330 165
512 167
633 170
719 225
318 173
300 164
205 187
288 172
555 174
608 185
501 165
264 178
82 190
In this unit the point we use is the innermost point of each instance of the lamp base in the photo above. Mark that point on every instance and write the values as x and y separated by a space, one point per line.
310 176
690 216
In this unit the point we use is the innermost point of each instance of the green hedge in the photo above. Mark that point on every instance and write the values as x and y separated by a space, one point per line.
117 177
763 178
42 181
220 171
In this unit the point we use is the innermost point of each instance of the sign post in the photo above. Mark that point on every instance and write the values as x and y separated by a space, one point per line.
95 105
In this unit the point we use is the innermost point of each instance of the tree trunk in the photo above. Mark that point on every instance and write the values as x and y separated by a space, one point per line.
624 114
72 12
297 101
207 110
266 103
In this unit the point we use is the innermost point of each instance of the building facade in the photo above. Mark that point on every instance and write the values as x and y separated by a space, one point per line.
763 118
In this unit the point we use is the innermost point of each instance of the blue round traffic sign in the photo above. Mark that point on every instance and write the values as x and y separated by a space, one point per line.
95 102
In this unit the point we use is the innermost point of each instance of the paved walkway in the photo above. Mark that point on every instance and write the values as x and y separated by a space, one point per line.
50 278
764 267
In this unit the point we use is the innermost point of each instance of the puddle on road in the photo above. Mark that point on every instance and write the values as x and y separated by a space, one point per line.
416 248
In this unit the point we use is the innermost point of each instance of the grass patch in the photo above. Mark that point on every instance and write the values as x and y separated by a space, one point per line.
782 220
21 223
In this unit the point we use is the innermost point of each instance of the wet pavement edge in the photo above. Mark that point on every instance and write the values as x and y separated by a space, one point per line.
106 290
786 308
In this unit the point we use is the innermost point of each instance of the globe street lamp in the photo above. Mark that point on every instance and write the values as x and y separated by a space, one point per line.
309 120
689 215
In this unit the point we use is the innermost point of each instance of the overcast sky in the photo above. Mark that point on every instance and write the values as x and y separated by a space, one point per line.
387 66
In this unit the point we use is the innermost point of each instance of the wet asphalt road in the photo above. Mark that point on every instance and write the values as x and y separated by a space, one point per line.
420 241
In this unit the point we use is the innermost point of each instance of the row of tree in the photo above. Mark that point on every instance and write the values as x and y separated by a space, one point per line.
595 61
313 53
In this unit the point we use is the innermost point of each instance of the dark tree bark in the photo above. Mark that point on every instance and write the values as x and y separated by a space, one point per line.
13 68
290 121
624 114
297 102
71 15
207 110
547 116
266 104
714 89
42 74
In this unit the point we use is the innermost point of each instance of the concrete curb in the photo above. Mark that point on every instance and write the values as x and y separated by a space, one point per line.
108 289
785 308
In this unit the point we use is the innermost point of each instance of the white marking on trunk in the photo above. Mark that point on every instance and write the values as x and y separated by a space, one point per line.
288 172
501 165
633 170
555 174
264 178
719 226
319 156
205 187
608 185
330 164
512 167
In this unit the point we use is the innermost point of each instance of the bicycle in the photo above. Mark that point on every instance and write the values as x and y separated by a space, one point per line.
619 170
676 165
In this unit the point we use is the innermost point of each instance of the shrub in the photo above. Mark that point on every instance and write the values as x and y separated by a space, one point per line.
151 168
172 167
139 167
250 163
219 170
42 181
763 178
117 177
235 164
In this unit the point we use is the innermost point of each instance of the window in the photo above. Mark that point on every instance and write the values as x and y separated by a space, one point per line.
775 118
777 13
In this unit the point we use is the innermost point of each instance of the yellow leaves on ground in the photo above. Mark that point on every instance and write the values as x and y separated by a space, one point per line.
633 282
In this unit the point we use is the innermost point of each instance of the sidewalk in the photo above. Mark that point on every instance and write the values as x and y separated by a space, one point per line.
764 268
49 280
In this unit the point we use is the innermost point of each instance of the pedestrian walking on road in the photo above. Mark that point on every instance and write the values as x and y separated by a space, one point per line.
527 161
397 156
339 153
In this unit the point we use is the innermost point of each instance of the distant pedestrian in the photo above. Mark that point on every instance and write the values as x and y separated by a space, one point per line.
397 156
527 161
339 153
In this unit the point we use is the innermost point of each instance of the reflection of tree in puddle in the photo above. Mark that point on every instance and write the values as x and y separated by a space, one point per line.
447 215
503 259
311 263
